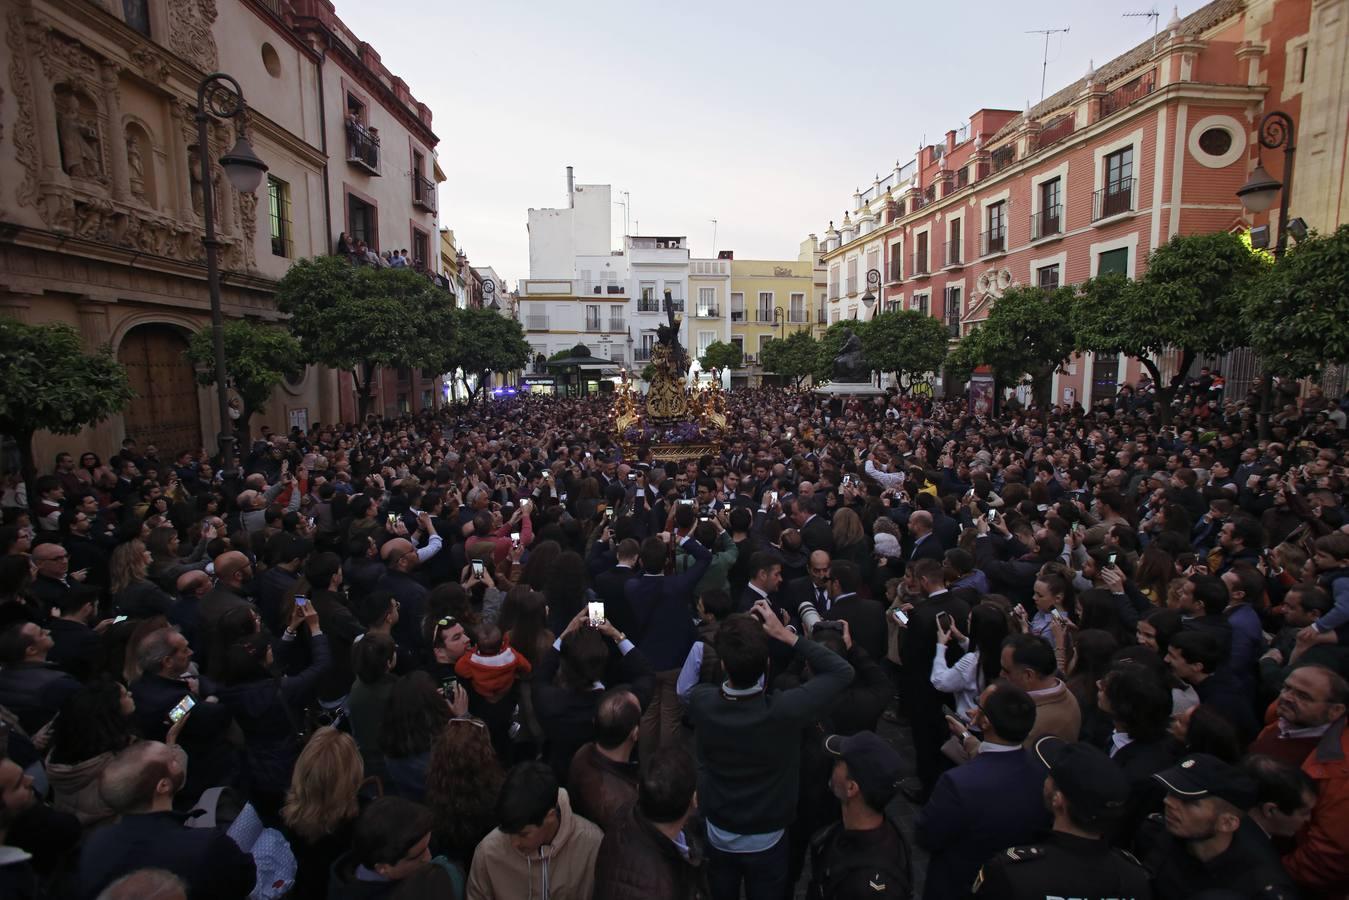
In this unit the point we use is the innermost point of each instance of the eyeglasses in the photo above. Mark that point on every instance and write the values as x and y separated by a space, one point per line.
469 720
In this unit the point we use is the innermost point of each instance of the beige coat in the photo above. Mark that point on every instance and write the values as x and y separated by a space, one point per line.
562 870
1056 713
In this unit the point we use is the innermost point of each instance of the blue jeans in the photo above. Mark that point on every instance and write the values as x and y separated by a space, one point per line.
764 873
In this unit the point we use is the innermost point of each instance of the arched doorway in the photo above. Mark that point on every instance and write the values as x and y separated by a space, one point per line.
165 412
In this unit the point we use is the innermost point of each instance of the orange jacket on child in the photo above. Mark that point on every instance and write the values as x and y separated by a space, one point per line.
492 675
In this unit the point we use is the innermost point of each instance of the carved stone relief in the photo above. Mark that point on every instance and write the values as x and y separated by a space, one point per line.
190 32
77 127
25 133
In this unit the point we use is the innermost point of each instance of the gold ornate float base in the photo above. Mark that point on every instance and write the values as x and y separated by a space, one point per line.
675 453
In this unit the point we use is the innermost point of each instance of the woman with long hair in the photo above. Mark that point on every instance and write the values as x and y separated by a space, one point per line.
165 563
539 564
268 708
133 593
524 619
1155 570
373 659
321 807
566 589
980 665
415 715
1088 663
851 543
93 726
462 782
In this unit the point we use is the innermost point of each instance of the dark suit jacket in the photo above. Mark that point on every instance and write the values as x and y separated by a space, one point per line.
610 587
928 548
817 534
920 645
992 802
662 608
946 529
866 623
74 646
798 591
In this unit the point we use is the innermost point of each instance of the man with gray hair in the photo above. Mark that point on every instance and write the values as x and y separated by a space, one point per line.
140 783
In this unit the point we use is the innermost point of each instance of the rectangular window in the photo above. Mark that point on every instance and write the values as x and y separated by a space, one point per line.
361 218
1118 194
278 212
997 227
833 315
920 254
136 13
737 306
1116 261
874 259
953 311
1050 218
765 313
738 340
421 249
707 301
852 276
705 339
920 303
764 341
616 323
852 313
1048 276
953 248
593 318
833 282
797 312
896 262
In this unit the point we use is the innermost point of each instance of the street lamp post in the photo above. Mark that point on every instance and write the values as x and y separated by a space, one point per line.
220 97
873 283
1257 195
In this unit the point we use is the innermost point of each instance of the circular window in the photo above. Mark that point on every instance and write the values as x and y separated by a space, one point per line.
271 61
1215 141
294 381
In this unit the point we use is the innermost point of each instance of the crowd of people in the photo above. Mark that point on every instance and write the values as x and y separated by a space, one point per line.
489 652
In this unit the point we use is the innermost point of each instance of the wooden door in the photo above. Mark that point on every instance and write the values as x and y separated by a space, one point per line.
165 412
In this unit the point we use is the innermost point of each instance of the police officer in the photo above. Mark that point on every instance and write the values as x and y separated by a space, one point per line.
1205 840
1086 793
864 855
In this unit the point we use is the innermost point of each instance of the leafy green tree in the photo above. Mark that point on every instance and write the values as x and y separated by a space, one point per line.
907 343
720 356
577 350
829 344
1298 310
794 357
1190 300
1027 332
257 357
48 382
483 341
649 372
363 318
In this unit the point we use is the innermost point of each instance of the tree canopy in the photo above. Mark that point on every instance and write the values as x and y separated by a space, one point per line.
49 382
483 341
257 357
1028 332
794 357
906 343
360 318
720 356
1298 310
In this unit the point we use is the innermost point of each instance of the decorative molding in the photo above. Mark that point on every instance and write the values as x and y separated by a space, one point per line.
151 64
25 135
190 33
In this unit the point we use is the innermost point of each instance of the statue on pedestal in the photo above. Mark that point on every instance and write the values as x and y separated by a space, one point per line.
849 366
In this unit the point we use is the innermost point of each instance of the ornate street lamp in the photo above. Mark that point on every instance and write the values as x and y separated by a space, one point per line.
220 97
1259 192
873 283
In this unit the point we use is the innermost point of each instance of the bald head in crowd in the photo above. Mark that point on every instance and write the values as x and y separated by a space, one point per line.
194 583
920 523
399 554
232 569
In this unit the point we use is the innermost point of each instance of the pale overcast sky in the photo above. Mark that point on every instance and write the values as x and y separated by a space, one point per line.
762 115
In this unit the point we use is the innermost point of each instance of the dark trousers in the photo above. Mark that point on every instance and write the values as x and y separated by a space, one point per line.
764 874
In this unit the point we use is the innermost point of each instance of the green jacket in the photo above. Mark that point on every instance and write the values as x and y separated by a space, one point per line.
724 555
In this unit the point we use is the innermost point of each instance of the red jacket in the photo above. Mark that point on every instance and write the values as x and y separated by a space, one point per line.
1320 864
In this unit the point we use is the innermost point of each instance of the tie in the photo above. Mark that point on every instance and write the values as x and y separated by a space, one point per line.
820 599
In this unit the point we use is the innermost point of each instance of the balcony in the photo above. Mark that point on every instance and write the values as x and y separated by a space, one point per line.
798 317
1055 130
749 359
535 322
641 355
1003 157
764 317
1114 199
821 317
1129 93
953 322
917 202
592 324
648 305
707 312
919 269
1047 223
618 326
954 251
737 315
962 178
423 192
363 147
993 241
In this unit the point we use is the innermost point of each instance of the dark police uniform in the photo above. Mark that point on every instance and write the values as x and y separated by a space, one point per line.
1064 866
846 865
1249 867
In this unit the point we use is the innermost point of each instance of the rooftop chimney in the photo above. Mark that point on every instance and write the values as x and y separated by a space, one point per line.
571 187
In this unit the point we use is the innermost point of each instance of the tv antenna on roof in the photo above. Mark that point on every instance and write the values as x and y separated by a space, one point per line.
1044 65
1152 14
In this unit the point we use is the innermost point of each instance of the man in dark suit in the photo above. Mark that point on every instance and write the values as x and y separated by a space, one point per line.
812 588
992 802
765 580
944 527
865 618
663 627
610 585
816 532
926 544
918 649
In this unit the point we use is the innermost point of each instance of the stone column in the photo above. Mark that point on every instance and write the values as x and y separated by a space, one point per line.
121 176
179 162
44 107
93 313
